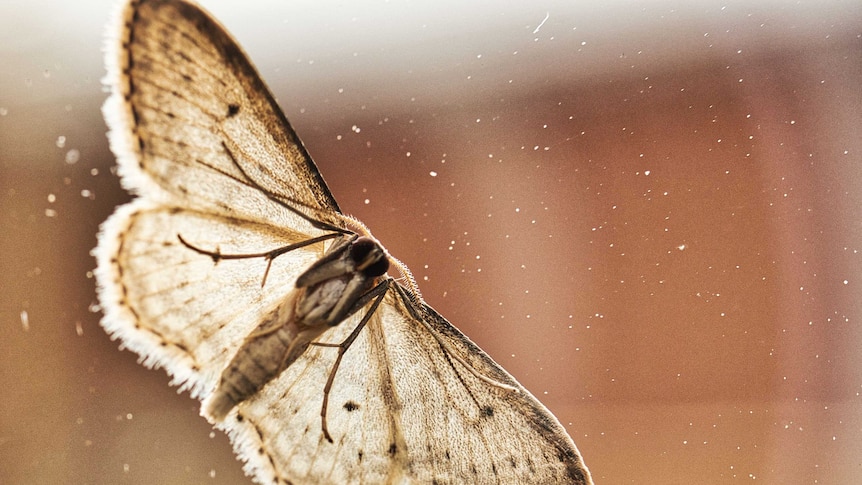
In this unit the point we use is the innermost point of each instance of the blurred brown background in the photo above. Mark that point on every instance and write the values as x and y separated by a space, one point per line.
649 212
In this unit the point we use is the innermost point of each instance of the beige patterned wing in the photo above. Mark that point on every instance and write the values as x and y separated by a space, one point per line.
179 309
193 124
413 401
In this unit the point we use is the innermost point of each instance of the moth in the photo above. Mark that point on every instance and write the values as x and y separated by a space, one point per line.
235 270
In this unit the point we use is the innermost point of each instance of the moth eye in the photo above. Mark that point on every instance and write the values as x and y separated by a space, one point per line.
369 257
378 266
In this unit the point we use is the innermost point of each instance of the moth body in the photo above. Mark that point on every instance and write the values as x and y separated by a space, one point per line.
325 294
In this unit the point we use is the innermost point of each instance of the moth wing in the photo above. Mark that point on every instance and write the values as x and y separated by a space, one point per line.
403 407
193 124
200 140
179 309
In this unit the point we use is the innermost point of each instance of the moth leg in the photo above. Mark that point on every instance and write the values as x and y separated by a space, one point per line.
271 254
217 255
377 293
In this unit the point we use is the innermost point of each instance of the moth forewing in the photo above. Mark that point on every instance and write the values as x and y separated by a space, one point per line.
329 291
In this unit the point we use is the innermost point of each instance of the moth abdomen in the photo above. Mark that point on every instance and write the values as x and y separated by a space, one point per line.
264 354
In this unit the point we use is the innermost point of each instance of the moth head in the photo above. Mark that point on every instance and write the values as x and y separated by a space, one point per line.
369 256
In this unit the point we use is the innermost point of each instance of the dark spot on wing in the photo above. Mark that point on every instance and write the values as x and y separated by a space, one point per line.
359 455
393 448
239 417
487 411
351 406
232 110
